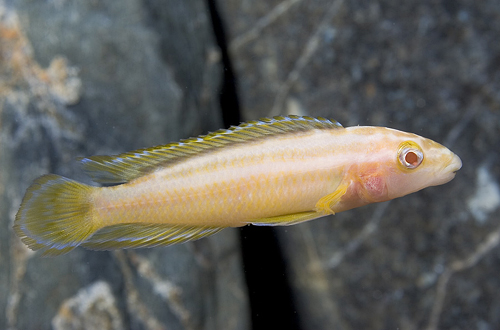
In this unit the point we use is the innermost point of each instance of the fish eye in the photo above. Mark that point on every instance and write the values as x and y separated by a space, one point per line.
410 155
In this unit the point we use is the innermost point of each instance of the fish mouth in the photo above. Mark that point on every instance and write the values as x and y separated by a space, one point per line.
454 165
449 171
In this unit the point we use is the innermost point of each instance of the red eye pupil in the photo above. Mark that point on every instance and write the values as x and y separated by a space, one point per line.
410 155
411 158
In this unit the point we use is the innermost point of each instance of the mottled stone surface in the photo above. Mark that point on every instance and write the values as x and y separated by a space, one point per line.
92 308
99 77
426 261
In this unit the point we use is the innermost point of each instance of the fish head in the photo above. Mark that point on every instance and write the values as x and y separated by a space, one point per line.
413 162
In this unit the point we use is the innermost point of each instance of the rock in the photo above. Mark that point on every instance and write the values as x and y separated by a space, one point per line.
422 261
93 308
84 78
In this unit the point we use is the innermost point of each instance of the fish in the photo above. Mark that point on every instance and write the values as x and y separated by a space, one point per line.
273 171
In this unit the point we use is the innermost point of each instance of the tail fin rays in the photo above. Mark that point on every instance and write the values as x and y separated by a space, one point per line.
55 215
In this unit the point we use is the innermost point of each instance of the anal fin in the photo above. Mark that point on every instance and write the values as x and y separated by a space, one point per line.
140 235
287 220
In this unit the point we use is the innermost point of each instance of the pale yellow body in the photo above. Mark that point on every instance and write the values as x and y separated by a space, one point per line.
238 185
232 186
277 171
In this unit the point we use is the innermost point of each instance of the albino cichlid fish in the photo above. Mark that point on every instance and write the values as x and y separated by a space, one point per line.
278 171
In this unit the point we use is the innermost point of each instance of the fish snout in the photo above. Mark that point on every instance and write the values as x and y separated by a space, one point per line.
454 165
448 171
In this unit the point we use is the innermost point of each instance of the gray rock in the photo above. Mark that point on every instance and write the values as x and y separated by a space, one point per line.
83 78
92 308
425 261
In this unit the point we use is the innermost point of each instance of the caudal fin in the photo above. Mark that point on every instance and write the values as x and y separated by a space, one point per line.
54 216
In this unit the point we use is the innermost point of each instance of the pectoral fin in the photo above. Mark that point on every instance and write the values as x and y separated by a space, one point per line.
323 207
326 203
287 220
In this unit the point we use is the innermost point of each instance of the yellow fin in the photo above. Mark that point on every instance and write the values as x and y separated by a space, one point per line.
325 204
139 235
287 220
130 165
54 215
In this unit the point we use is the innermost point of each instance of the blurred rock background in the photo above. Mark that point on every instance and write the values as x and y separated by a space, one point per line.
102 77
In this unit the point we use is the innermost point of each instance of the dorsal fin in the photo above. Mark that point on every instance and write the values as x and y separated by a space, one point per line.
131 165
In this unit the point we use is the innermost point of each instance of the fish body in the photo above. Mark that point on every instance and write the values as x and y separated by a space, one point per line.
276 171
